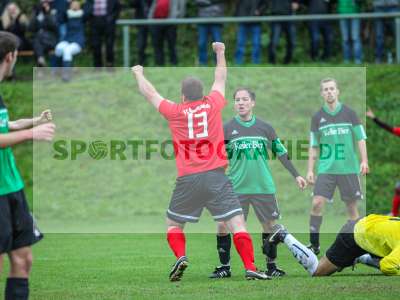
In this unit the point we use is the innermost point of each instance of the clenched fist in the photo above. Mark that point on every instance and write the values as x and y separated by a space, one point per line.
218 47
44 132
137 70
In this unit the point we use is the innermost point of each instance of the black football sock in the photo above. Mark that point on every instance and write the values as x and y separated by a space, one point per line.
315 225
224 249
17 289
270 251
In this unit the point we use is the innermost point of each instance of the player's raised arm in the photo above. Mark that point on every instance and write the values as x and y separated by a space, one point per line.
220 70
146 88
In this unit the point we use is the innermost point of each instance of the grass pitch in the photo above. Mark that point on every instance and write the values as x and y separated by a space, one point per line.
135 266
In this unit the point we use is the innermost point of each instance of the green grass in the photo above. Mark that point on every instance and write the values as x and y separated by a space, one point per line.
83 267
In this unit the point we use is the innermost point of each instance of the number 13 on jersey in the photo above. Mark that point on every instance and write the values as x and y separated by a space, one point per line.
198 121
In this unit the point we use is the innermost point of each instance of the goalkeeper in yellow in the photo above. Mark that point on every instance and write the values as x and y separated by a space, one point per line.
373 240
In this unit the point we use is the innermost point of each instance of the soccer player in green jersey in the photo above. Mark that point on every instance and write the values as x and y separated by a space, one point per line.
17 229
335 130
247 139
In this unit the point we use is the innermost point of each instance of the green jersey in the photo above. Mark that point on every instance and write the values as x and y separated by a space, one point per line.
336 134
10 179
247 145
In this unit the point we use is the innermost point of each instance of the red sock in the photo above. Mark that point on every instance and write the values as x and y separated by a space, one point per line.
176 240
396 205
244 247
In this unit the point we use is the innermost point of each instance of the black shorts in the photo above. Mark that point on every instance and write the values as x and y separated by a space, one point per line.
345 250
17 227
265 206
349 186
211 189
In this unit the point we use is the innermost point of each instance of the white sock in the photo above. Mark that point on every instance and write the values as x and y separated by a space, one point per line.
368 260
304 256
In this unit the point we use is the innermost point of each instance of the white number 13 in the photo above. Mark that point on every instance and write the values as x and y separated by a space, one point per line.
202 122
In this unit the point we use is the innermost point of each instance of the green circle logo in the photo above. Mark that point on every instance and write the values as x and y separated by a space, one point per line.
98 150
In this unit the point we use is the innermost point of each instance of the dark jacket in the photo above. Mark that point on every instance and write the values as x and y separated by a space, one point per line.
316 7
75 27
281 7
61 6
210 8
250 8
142 8
113 9
44 25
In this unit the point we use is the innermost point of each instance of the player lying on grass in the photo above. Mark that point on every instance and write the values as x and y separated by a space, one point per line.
17 229
247 139
201 178
394 130
335 130
375 235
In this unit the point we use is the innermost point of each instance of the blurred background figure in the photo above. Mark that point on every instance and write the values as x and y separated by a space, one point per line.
74 39
142 8
209 9
163 9
61 7
249 8
351 31
282 7
45 31
103 16
15 21
319 28
384 6
3 4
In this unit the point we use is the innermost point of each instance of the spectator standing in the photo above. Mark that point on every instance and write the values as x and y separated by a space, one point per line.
103 15
282 7
249 8
74 40
320 28
45 31
351 31
162 9
209 9
15 21
383 6
141 12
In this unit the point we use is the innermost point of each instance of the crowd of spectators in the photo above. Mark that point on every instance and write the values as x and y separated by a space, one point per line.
60 26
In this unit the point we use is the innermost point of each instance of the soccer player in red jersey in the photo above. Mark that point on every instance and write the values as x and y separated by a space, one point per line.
396 200
197 131
394 130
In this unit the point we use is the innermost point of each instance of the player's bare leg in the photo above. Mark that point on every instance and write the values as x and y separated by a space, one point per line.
224 242
325 267
20 267
244 246
352 210
318 204
270 250
177 242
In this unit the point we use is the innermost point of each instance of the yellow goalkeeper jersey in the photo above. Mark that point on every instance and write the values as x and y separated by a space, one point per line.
380 235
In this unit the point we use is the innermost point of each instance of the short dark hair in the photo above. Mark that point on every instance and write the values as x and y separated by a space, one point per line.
249 91
8 43
192 89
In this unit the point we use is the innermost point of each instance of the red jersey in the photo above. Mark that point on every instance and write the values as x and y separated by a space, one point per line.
396 131
197 133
